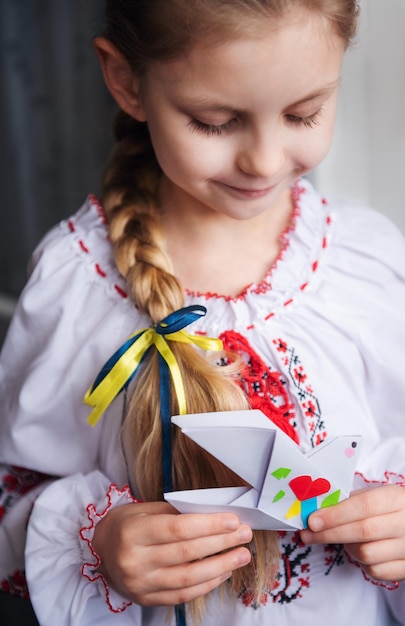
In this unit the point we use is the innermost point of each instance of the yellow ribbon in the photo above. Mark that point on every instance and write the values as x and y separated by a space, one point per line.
99 396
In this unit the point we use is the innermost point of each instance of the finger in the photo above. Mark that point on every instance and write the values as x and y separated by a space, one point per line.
391 573
154 508
199 548
389 526
363 504
377 552
197 578
181 596
164 529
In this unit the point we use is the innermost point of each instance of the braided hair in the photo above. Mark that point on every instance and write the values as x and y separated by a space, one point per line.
145 31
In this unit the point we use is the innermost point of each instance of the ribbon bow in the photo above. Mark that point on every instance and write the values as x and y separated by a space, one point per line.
119 370
121 367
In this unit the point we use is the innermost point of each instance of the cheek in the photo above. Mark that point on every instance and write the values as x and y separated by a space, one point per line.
189 157
315 147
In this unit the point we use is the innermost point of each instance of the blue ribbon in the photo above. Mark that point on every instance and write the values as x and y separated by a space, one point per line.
171 324
180 613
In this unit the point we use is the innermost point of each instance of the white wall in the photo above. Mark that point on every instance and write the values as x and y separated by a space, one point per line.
367 160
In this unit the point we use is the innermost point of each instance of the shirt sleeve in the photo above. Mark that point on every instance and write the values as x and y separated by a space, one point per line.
375 299
69 319
61 566
71 316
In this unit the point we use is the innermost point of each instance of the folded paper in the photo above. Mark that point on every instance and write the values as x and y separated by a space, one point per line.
286 485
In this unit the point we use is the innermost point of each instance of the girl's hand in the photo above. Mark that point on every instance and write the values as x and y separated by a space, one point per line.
153 556
371 525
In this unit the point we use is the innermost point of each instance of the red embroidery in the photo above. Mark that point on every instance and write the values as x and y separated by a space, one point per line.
390 478
89 570
314 268
100 271
96 202
378 583
85 248
120 291
14 483
264 387
289 582
265 285
334 556
304 391
16 585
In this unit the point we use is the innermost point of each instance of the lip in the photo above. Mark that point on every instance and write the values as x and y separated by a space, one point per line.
249 192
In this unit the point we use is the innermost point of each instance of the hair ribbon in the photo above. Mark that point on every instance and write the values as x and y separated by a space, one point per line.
119 370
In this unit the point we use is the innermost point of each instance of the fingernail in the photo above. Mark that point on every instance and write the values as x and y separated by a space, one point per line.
232 523
244 533
316 523
244 558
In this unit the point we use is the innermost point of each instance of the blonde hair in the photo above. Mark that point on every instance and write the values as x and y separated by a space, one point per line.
146 31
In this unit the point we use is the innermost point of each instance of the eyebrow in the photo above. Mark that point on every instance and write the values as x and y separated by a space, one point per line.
318 93
203 103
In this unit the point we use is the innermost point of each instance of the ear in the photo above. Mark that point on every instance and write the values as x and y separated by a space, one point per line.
119 78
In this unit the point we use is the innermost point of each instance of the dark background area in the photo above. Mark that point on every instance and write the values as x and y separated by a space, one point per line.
56 121
55 125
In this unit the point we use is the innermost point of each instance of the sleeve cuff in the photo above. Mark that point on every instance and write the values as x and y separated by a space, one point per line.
115 497
361 481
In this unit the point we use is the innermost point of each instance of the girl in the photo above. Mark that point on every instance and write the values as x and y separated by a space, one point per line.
225 105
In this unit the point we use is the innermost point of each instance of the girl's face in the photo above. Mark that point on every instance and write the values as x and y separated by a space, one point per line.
234 125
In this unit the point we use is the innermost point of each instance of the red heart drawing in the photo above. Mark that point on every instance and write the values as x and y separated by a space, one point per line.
305 488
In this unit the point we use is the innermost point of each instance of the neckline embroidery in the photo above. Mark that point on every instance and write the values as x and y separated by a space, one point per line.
265 284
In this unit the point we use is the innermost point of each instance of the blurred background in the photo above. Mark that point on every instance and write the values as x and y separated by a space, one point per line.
367 160
56 119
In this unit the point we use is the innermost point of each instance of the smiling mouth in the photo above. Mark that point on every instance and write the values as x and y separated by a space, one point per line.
252 192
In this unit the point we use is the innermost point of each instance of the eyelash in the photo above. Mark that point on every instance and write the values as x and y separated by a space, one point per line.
212 130
308 122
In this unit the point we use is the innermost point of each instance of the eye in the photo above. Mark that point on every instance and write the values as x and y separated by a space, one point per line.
309 121
211 129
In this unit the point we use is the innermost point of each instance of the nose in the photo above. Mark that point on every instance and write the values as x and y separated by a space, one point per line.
261 154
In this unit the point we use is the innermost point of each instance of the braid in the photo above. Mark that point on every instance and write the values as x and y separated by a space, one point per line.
145 32
131 200
130 196
134 170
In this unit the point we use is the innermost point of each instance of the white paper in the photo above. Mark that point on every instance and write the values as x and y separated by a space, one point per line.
286 485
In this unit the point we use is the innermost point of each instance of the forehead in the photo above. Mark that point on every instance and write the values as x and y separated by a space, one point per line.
288 57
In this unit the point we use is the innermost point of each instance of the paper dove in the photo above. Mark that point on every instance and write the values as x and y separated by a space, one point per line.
287 485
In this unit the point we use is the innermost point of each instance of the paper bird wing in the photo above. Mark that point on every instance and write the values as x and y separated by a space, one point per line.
242 440
239 500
